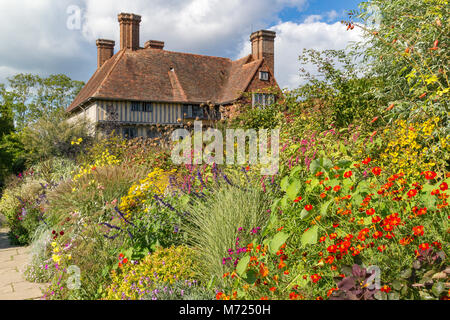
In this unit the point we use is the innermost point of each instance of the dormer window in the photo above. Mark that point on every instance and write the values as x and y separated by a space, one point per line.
264 75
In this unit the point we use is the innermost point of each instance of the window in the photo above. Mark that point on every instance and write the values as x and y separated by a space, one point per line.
193 111
135 106
263 99
147 107
197 111
129 133
264 75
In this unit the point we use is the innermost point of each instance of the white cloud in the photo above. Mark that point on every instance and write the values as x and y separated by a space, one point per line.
292 38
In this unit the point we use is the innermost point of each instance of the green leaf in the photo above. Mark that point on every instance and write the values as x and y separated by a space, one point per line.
304 214
251 277
310 236
293 189
438 288
242 265
324 208
314 166
277 241
284 183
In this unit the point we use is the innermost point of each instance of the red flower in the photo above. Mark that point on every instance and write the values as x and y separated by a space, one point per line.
315 278
429 175
377 234
437 244
412 193
424 246
376 219
348 174
298 199
318 174
367 161
381 248
443 186
370 212
418 231
308 207
374 119
337 188
293 296
376 171
386 289
323 195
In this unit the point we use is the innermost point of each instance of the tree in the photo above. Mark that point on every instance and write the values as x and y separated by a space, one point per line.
33 97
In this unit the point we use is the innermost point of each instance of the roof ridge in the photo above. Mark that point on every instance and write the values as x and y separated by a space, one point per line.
198 55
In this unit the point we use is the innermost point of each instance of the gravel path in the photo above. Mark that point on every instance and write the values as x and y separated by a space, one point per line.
13 260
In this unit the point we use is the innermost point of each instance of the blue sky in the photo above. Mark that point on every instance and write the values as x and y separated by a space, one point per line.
35 37
319 7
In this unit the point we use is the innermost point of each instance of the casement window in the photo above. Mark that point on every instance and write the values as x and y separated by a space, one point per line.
264 75
147 107
129 132
262 99
193 111
135 106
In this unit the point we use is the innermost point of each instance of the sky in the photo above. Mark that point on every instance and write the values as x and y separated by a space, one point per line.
58 36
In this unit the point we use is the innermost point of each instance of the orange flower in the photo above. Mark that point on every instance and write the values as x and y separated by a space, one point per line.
318 174
336 188
377 234
386 289
273 289
323 195
264 271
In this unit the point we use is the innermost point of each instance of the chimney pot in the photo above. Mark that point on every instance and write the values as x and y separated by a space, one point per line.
129 31
105 50
154 44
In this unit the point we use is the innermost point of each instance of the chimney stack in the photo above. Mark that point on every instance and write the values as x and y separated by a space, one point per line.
129 31
105 50
154 44
263 47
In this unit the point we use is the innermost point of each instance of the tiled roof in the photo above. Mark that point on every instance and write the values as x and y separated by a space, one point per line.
166 76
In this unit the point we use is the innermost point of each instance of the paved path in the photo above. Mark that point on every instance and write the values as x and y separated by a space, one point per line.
13 260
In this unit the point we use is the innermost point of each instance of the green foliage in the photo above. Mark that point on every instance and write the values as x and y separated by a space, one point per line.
337 88
408 50
33 97
54 137
213 223
163 267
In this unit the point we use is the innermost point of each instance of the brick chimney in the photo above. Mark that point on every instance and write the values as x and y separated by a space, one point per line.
154 44
129 31
105 50
263 47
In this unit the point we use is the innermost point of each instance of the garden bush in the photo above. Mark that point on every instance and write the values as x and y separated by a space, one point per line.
165 266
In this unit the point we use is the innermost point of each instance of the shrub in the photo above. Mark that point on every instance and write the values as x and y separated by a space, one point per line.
164 266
